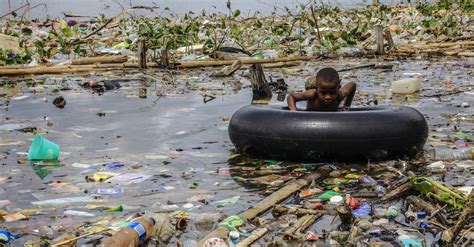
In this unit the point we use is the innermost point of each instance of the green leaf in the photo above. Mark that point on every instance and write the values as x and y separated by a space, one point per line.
236 13
68 32
14 14
143 29
26 31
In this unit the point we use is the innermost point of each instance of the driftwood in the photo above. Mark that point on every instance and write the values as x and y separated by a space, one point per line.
402 190
380 40
209 63
421 204
279 210
260 88
164 58
450 234
254 236
102 60
345 215
388 37
270 201
40 70
64 69
300 225
228 70
141 53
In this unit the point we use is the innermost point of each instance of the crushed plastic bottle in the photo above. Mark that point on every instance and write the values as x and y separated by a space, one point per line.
450 154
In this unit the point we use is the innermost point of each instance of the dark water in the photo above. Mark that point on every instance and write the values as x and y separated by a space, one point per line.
56 8
177 139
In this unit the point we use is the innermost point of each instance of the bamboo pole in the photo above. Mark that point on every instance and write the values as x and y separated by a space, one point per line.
436 45
279 210
254 236
103 59
300 225
209 63
270 201
64 69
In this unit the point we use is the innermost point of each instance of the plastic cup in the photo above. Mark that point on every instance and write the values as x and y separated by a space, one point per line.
43 149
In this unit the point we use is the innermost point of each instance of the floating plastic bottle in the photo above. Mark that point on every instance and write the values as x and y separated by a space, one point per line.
450 154
406 86
392 212
134 234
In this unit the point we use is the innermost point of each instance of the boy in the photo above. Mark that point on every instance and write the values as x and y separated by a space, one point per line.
326 95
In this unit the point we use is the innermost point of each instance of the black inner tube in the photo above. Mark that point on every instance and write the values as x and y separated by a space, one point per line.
365 133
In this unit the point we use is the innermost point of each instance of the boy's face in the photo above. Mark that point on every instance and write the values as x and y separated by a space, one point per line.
327 91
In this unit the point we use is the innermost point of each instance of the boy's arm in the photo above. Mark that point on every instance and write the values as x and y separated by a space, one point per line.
348 92
295 97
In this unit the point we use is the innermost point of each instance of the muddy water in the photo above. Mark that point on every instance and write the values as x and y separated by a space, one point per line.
175 145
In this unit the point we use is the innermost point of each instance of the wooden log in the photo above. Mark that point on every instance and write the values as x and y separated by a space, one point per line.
23 70
254 236
279 210
164 58
450 234
345 214
142 49
210 63
229 70
260 88
388 37
300 225
400 191
380 40
64 69
466 54
270 201
280 64
437 45
102 60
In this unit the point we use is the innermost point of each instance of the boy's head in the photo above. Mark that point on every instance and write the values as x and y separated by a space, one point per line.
327 85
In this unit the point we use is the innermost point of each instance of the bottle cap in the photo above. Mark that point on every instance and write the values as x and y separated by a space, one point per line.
421 215
336 200
234 234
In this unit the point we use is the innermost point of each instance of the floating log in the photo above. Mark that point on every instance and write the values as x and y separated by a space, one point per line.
254 236
102 60
450 234
64 69
300 225
270 201
279 210
228 70
22 70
